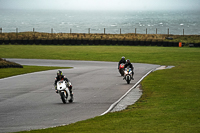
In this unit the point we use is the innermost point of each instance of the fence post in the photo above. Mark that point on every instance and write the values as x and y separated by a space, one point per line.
168 31
51 30
120 31
146 30
16 32
34 33
135 30
156 30
70 30
104 30
88 30
183 32
0 30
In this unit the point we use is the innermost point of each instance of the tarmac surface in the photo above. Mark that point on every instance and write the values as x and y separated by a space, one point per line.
28 102
133 95
130 99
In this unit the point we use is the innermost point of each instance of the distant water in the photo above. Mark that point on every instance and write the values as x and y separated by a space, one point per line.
112 21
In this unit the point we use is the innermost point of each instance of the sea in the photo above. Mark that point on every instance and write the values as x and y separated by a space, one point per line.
109 22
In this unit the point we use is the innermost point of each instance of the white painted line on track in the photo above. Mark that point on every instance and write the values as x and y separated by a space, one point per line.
114 104
14 76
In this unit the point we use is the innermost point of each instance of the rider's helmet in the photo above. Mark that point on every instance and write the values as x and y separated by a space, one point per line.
59 73
128 61
123 57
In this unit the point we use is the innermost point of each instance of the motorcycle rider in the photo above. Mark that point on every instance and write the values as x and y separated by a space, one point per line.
123 60
59 77
128 64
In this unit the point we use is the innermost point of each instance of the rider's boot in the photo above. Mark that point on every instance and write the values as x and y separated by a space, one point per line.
56 89
70 91
132 77
71 95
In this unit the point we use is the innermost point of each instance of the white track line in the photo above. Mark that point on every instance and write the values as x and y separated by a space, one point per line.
114 104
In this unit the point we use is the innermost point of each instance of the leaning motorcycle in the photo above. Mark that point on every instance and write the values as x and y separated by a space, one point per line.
63 90
128 75
121 69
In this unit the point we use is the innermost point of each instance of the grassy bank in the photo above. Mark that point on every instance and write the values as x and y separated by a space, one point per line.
7 72
170 100
80 36
7 64
154 55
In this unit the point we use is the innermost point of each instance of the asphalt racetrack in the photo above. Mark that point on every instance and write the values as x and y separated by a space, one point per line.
28 101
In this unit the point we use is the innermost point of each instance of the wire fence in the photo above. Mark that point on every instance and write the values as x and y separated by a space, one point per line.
53 39
103 31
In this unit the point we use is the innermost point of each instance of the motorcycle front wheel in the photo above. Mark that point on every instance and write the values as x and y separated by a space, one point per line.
62 95
128 81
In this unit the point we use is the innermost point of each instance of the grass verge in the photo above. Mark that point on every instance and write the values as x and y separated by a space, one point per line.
7 72
170 100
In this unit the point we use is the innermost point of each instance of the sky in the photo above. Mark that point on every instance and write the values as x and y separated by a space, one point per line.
102 4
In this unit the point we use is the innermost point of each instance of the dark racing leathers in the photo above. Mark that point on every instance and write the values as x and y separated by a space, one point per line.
121 61
130 66
58 78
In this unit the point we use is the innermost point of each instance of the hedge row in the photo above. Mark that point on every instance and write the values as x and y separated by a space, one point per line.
94 42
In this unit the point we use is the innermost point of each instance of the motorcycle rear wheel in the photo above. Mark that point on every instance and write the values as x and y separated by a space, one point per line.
121 72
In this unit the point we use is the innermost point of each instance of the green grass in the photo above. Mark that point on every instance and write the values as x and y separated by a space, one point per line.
140 54
170 100
7 72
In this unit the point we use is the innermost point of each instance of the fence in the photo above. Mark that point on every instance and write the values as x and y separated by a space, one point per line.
104 31
82 41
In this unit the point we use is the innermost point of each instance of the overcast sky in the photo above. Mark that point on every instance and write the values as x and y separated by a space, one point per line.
102 4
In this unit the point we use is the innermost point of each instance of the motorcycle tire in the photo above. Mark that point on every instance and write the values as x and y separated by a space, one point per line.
128 81
62 95
121 72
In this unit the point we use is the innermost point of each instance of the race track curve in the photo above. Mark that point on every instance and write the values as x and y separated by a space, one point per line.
28 101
